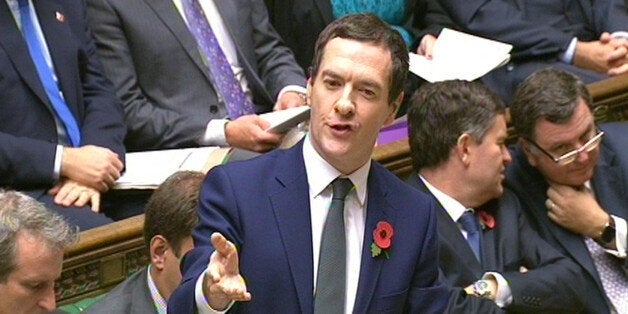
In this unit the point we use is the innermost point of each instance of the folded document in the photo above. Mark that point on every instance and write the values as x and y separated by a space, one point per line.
147 170
460 56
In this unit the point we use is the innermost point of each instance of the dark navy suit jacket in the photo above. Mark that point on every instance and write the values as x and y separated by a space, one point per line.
539 31
262 205
28 135
550 286
610 183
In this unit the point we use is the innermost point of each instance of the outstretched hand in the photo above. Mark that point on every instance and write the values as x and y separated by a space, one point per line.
223 282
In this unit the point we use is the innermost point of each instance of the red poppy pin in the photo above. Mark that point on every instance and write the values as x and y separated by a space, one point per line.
486 220
382 239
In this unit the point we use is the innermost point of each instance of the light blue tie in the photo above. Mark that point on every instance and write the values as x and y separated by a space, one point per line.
471 225
236 101
45 75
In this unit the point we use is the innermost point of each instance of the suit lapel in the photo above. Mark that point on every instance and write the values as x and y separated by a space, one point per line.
608 186
378 209
291 205
449 233
14 45
169 15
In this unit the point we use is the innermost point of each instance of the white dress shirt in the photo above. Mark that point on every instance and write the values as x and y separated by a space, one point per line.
320 174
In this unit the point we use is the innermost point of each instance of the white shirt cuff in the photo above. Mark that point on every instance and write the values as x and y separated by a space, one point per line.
215 133
620 34
621 229
56 174
292 88
503 296
201 303
567 56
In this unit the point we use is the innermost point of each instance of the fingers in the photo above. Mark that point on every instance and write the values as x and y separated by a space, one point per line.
617 55
619 70
95 201
551 206
605 37
222 245
70 193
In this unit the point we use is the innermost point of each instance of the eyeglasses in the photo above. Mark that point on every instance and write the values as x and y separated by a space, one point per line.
569 157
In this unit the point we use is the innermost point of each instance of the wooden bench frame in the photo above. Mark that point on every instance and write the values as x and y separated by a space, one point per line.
105 256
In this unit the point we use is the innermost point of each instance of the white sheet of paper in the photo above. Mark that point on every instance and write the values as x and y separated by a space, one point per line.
151 168
460 56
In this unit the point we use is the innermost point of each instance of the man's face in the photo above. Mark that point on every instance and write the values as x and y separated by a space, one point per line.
488 162
558 139
349 100
30 287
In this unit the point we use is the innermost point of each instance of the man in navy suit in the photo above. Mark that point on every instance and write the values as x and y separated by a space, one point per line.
262 220
457 135
587 38
38 152
573 178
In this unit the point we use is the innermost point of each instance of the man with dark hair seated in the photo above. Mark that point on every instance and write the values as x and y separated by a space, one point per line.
32 240
457 138
170 218
572 176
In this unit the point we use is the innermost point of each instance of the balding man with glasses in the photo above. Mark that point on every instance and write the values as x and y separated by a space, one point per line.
573 177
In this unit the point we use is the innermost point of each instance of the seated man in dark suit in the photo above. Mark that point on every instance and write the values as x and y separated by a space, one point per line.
587 38
32 241
170 218
457 138
573 178
319 227
194 72
61 126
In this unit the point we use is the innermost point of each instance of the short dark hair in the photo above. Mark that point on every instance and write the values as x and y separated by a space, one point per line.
549 94
171 210
367 27
21 213
439 113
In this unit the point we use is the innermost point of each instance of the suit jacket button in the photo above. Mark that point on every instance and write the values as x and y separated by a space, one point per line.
213 109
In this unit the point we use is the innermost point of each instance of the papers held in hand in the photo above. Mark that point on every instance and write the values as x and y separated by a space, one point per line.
147 170
460 56
283 120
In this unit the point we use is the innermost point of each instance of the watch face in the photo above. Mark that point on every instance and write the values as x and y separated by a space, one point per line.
608 235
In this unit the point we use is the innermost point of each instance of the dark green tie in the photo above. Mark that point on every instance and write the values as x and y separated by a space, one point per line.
329 297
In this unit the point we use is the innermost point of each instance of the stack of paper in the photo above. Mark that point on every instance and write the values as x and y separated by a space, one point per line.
147 170
282 121
460 56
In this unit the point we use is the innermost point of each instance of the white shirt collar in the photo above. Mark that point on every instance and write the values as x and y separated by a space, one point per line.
326 173
453 208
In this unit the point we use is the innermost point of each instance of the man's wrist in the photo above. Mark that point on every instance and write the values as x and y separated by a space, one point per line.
606 235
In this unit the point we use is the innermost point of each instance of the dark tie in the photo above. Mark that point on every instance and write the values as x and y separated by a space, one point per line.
329 297
224 79
471 225
46 77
